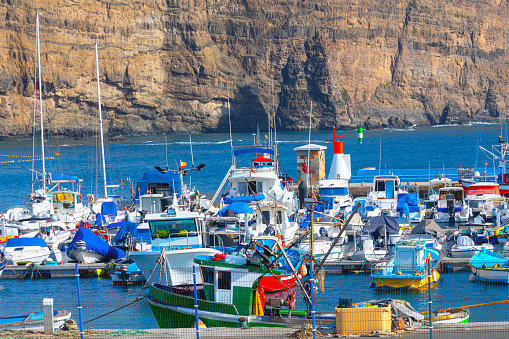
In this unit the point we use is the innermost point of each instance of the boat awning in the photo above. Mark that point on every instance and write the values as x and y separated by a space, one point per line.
381 222
248 198
236 208
55 178
172 179
22 242
427 226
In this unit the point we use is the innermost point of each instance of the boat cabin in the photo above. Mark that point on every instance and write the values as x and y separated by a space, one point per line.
450 196
66 202
385 187
409 258
175 229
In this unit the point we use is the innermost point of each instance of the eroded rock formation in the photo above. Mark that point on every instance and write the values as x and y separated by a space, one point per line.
171 66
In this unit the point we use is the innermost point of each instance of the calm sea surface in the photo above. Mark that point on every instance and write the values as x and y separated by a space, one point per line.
436 147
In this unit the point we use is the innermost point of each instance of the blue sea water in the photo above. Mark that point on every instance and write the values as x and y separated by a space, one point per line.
435 147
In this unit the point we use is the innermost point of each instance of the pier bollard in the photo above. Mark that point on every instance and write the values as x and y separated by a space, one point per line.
197 320
79 301
47 311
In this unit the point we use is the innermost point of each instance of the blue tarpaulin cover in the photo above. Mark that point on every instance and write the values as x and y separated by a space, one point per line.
381 222
248 198
99 219
236 208
95 244
153 177
408 203
21 242
108 208
124 228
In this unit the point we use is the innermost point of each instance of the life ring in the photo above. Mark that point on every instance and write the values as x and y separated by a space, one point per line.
282 237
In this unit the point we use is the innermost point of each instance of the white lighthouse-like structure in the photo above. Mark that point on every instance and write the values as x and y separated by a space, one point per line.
341 167
334 191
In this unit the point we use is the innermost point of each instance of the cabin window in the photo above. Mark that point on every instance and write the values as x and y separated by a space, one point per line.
266 217
224 280
242 188
380 186
207 275
173 228
279 217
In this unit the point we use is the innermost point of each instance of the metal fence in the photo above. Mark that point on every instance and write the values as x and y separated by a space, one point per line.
238 303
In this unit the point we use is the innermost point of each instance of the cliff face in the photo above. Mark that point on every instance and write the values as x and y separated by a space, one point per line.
171 66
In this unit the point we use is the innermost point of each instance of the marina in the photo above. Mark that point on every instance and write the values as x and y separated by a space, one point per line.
218 237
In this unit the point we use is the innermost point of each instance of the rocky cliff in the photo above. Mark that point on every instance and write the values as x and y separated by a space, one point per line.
172 66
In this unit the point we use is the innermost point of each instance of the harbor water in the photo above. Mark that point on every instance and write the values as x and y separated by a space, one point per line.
434 147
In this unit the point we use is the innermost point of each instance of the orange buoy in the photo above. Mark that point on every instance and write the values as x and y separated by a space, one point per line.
303 271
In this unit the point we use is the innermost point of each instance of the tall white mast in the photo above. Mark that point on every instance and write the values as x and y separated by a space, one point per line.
40 101
100 121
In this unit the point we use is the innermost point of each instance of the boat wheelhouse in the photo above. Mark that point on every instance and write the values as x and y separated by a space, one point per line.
176 238
383 196
451 206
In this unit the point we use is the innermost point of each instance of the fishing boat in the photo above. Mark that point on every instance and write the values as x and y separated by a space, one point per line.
33 321
87 247
478 193
383 196
466 248
259 182
176 237
434 192
489 267
230 296
451 206
408 269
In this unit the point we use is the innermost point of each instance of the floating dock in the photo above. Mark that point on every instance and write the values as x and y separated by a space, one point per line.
68 270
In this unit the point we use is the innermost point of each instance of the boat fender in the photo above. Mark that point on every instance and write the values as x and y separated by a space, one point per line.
282 237
219 257
303 271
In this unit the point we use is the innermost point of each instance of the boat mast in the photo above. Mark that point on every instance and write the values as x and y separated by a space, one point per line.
100 121
34 131
40 101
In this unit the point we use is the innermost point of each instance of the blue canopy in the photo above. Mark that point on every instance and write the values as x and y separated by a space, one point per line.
156 177
21 242
253 150
124 228
236 208
108 208
248 198
95 244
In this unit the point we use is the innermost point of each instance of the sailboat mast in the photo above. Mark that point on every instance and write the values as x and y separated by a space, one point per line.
40 101
100 120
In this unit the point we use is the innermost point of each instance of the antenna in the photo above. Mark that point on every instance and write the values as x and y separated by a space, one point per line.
100 120
166 152
230 122
40 103
309 145
191 145
380 159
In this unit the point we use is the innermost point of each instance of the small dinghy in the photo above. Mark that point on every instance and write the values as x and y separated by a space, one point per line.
128 275
466 248
86 247
33 321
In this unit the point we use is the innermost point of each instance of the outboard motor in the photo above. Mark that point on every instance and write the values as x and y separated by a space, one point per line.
303 193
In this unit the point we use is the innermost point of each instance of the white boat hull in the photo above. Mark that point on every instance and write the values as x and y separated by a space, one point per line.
36 322
177 268
458 251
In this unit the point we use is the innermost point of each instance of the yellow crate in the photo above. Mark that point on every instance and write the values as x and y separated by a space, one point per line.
362 320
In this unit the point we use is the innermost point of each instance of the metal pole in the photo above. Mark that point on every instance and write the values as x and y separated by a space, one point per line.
79 301
196 304
312 296
429 301
40 103
100 120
